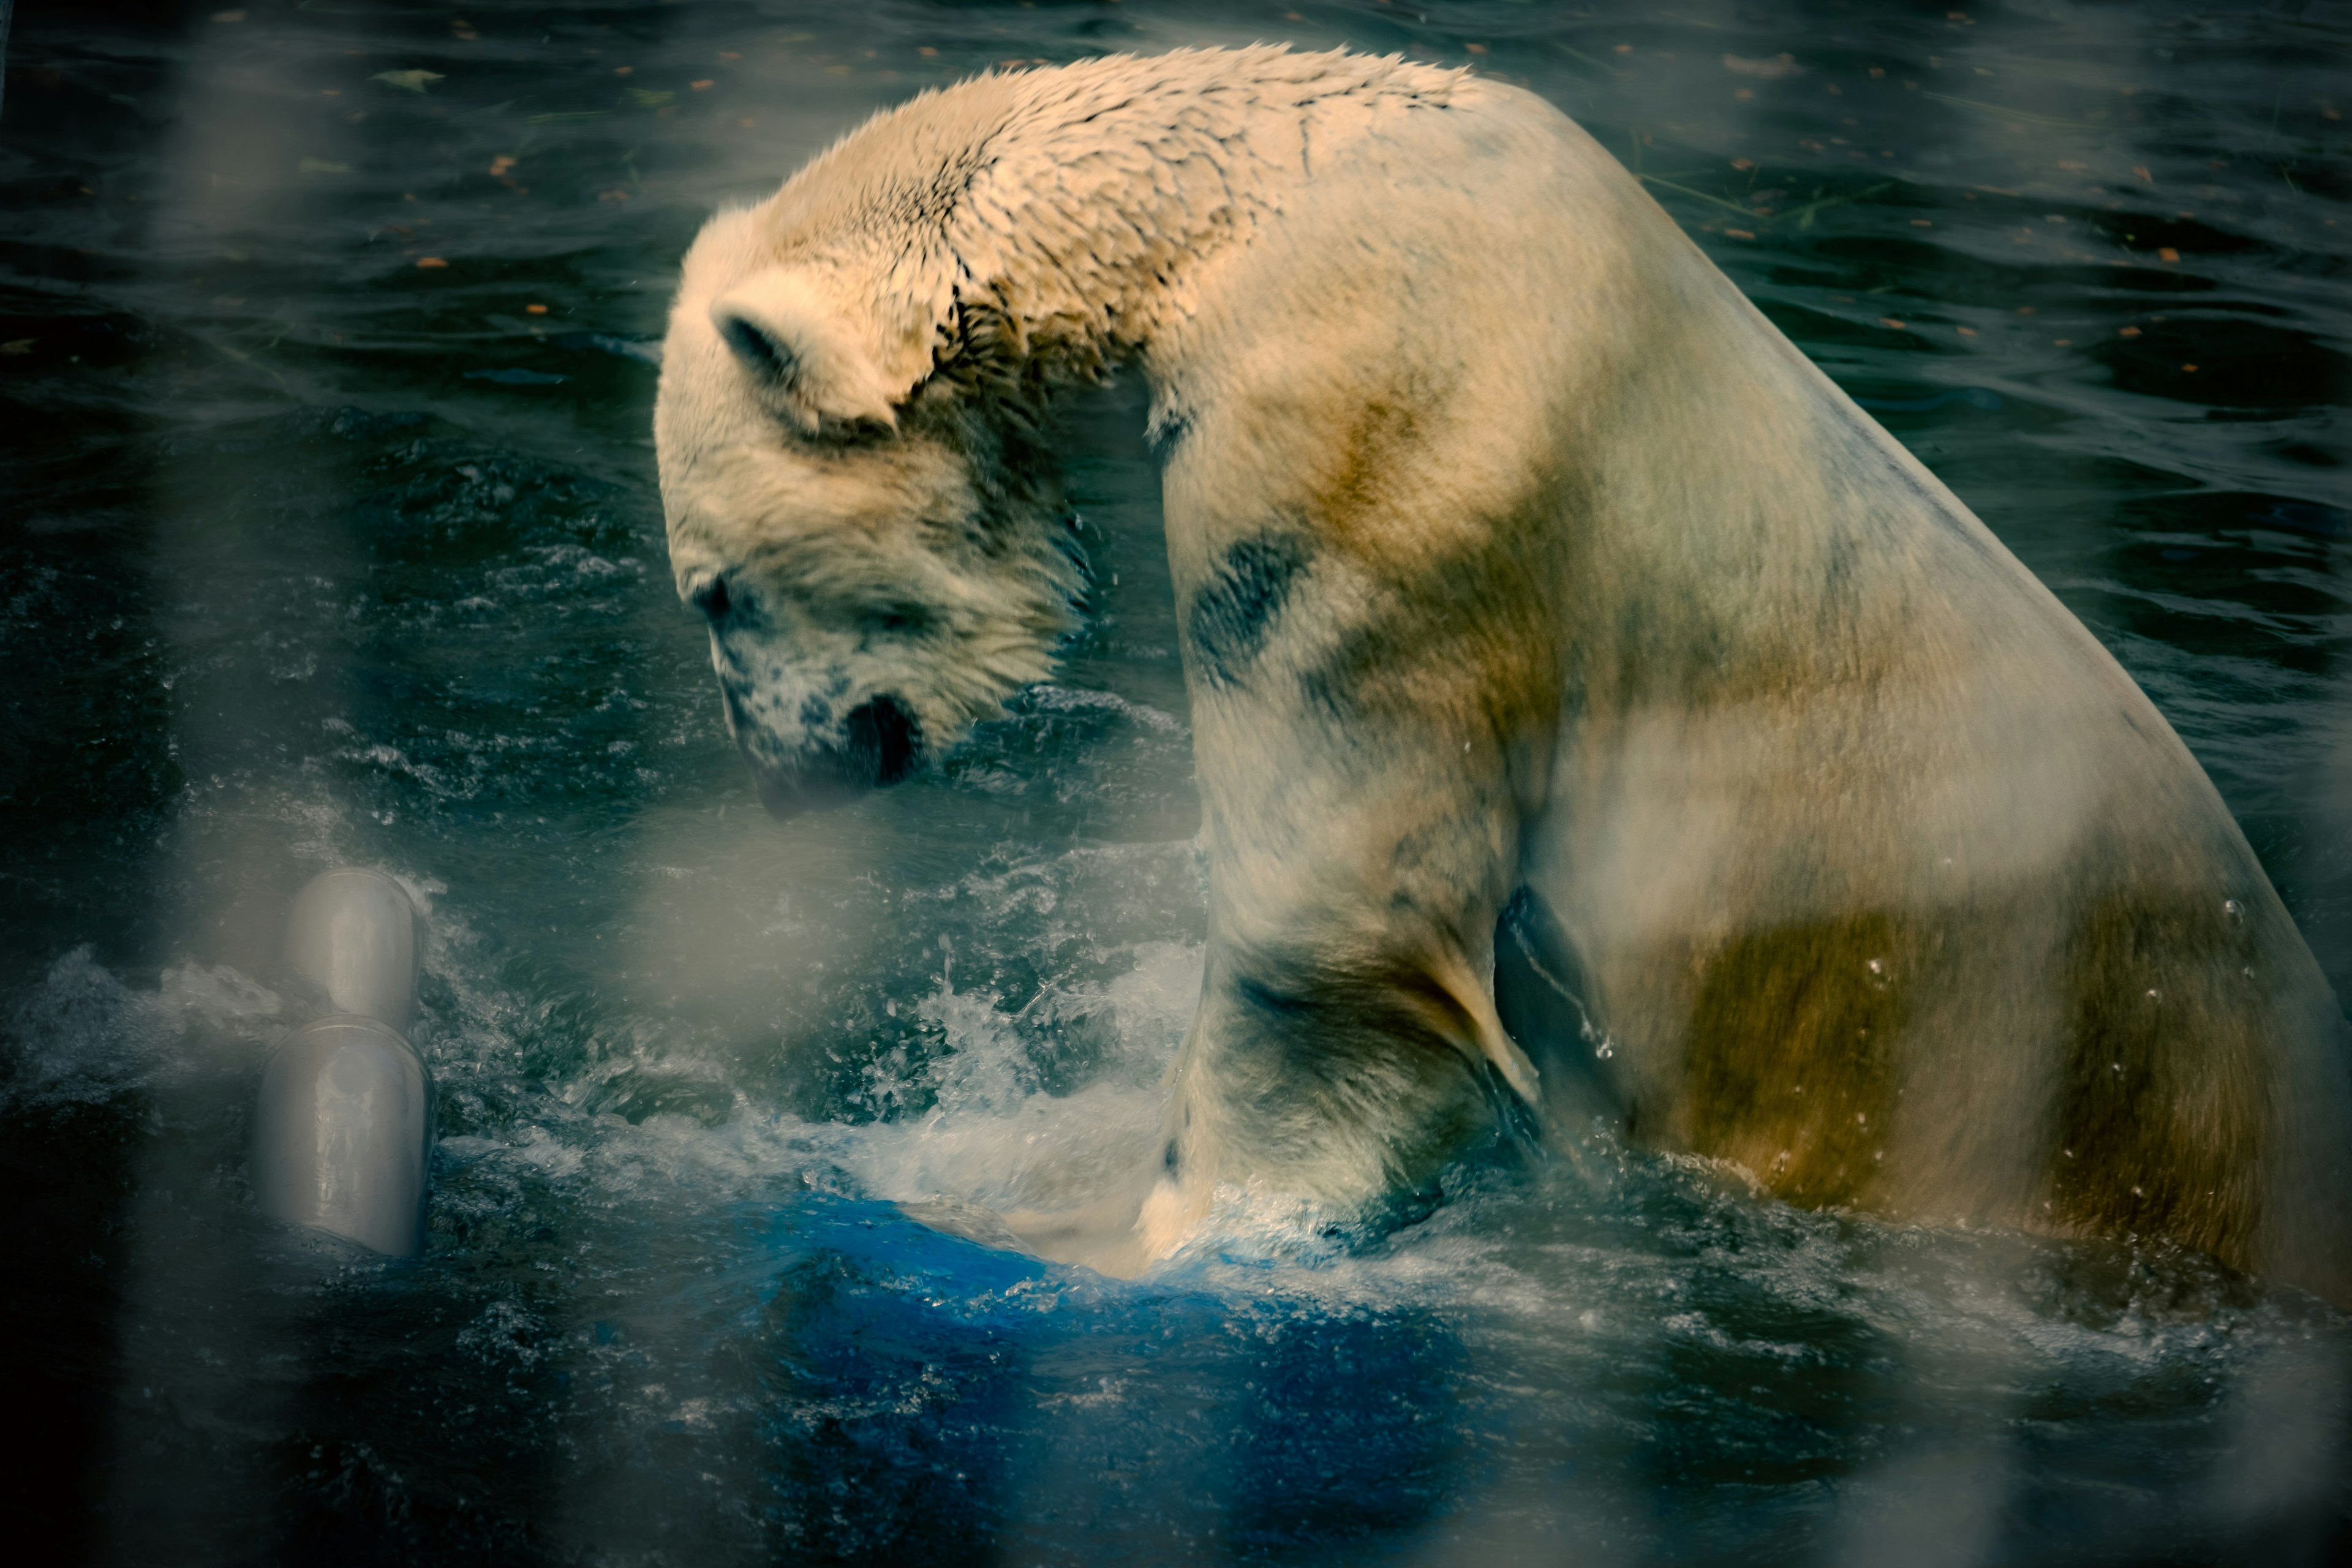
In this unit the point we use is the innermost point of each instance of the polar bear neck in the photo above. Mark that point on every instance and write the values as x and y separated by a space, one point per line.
1068 217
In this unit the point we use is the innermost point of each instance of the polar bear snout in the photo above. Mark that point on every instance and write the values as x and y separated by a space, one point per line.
817 700
878 743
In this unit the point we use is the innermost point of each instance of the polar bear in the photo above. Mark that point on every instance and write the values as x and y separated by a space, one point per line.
1530 583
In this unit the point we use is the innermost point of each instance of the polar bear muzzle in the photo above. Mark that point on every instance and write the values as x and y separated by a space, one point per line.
880 742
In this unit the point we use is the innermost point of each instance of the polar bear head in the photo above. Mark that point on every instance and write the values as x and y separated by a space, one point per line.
865 514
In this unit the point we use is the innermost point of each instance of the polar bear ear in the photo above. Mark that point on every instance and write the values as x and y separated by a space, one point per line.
799 346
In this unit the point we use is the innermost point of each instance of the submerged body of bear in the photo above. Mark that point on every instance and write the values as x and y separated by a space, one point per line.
1522 565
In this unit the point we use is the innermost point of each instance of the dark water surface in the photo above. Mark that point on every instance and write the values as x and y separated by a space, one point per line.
329 532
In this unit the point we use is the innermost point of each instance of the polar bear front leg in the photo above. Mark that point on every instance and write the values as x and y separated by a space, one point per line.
1346 1046
1367 759
1342 1082
1367 753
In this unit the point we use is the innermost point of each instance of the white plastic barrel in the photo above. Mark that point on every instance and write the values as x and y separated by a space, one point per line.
343 1130
352 935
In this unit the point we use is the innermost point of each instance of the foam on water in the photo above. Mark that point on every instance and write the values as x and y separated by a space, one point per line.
83 1037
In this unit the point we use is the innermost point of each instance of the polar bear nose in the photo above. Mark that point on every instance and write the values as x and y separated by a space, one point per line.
708 593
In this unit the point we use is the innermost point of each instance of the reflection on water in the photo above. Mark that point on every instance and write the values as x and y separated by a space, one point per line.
331 534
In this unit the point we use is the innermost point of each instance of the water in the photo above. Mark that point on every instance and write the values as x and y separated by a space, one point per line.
318 552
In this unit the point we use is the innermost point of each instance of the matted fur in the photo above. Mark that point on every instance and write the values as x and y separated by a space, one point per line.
1514 549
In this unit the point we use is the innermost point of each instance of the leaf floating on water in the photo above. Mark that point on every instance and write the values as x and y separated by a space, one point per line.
321 166
515 377
430 261
408 81
501 163
1770 71
18 345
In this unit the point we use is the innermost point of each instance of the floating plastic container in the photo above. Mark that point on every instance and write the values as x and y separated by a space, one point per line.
342 1131
352 935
